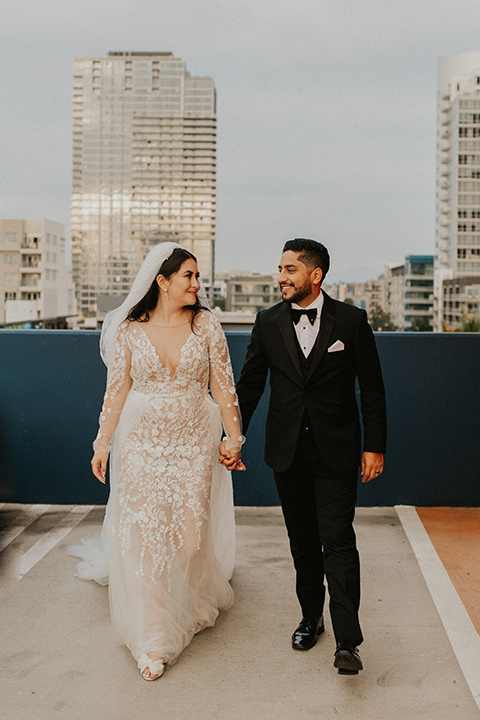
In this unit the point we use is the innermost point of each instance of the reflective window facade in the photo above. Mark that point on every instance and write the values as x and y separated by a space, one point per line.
144 162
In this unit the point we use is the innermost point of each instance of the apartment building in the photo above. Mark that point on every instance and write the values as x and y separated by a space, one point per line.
35 282
457 243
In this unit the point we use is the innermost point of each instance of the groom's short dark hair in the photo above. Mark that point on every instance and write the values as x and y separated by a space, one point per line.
311 253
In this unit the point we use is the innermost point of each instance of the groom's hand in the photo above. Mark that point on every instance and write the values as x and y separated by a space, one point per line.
372 466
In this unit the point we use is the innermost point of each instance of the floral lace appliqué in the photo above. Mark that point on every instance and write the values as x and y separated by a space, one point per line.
165 461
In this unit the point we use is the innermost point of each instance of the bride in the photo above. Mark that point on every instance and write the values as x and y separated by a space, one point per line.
167 543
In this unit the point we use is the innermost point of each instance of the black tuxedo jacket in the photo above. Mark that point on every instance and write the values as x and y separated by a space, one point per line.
327 392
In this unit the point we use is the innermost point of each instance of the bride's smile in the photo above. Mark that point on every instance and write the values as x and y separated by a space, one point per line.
182 287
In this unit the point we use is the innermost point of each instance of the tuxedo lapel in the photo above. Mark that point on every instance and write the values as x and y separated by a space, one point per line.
285 325
327 322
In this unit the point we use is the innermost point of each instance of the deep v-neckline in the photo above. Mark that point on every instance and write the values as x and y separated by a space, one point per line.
162 365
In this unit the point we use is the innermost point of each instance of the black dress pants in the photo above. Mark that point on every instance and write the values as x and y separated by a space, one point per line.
319 507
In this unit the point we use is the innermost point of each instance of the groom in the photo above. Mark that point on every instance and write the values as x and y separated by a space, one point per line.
315 348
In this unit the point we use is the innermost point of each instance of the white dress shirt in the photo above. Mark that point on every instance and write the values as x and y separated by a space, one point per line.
307 333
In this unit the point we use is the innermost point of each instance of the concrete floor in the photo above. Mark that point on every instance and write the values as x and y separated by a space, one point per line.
59 657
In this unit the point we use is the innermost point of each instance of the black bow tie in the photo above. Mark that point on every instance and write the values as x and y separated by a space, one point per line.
297 314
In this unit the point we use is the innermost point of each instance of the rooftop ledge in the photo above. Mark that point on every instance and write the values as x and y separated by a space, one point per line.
52 384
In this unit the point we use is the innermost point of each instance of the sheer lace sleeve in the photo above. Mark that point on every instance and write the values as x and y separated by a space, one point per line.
118 385
222 385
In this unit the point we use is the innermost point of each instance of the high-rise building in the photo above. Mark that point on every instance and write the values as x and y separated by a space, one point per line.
409 293
457 246
461 300
418 290
394 282
35 283
251 292
144 162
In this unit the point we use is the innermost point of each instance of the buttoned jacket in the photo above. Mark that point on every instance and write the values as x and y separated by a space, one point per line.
344 352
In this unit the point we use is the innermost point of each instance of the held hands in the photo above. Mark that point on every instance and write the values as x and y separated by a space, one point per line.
372 466
230 458
99 464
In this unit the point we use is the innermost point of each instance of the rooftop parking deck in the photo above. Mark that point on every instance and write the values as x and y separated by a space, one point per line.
59 657
421 590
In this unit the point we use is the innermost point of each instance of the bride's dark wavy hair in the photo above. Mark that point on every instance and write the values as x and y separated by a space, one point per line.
141 311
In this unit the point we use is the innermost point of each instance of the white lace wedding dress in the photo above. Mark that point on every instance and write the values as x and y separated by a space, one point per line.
168 538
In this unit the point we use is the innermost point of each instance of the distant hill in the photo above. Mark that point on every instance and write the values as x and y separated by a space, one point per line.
358 274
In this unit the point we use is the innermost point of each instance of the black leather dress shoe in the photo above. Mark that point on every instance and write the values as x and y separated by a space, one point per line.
305 636
347 659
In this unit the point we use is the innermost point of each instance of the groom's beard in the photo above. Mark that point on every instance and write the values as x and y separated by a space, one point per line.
300 293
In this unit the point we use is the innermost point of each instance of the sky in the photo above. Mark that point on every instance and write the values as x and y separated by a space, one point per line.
326 113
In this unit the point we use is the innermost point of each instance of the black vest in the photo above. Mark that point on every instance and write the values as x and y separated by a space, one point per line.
305 362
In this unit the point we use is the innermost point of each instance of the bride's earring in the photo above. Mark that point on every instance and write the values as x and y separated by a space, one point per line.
166 293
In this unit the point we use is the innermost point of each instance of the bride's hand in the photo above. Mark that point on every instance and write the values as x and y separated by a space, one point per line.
99 464
223 452
230 459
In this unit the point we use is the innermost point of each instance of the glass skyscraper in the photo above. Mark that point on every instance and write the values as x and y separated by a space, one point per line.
144 162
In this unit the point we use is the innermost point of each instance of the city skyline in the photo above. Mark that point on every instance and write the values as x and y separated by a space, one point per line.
326 116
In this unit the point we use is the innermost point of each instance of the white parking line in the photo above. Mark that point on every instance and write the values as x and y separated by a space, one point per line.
17 526
461 632
50 539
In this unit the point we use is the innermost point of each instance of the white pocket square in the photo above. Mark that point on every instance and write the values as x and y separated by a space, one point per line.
338 345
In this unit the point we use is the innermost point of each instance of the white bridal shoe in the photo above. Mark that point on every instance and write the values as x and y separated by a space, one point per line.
146 665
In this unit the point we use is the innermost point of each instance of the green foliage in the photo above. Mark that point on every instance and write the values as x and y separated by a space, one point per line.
349 301
470 323
380 320
421 324
220 303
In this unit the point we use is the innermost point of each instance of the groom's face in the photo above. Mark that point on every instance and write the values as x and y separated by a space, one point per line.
295 279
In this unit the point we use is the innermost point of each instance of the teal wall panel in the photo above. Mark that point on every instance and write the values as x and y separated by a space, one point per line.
52 384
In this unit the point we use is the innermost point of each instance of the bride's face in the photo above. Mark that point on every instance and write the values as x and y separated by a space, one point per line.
183 286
